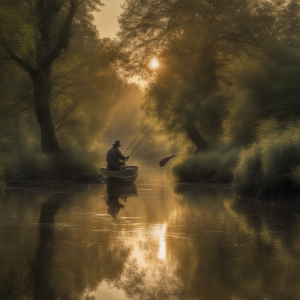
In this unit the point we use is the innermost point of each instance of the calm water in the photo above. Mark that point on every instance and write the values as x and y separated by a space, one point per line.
152 240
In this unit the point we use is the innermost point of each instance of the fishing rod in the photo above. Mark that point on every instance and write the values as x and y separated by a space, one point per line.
141 140
126 212
135 139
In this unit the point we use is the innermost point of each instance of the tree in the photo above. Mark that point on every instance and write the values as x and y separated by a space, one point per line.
49 30
195 41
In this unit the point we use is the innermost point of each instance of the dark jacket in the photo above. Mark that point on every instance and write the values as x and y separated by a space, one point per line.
113 157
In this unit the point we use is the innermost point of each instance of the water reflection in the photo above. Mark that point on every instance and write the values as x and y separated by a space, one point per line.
187 242
250 248
43 264
161 234
115 193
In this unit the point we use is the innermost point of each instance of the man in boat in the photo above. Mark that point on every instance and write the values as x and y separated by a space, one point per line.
114 156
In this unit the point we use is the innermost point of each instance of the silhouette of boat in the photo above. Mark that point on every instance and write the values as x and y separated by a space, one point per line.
127 174
122 191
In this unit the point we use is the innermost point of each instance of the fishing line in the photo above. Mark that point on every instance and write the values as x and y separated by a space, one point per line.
135 139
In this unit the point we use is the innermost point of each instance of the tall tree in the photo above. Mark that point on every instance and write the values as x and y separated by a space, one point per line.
195 40
49 31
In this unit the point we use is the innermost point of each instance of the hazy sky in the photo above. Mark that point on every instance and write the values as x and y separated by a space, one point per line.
107 23
106 20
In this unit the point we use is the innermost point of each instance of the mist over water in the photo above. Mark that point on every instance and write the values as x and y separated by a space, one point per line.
149 240
126 123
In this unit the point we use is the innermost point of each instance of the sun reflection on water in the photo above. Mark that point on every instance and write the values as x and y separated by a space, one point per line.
161 233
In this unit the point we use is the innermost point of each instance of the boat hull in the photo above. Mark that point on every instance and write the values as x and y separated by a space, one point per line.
124 176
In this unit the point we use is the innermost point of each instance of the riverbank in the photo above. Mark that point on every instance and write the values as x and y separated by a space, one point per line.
47 169
267 168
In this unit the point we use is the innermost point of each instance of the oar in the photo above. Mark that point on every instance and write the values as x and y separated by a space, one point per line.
165 160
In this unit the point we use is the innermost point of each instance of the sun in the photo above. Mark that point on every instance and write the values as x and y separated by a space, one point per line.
154 64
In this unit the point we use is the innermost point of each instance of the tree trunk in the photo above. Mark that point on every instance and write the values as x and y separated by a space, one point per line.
46 12
196 137
42 91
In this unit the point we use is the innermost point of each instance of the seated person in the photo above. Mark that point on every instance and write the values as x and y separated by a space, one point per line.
114 156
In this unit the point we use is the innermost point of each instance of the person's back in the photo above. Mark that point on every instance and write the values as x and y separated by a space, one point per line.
114 156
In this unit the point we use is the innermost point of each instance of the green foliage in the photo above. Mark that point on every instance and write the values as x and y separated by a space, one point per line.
230 71
16 32
198 31
39 39
196 44
37 167
271 165
211 166
84 85
228 75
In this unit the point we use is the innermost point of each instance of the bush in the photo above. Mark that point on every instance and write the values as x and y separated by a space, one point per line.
271 166
210 166
28 168
247 174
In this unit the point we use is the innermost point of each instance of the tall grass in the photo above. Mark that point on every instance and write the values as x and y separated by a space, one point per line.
271 166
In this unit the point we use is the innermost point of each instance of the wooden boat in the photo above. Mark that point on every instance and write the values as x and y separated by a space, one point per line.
127 174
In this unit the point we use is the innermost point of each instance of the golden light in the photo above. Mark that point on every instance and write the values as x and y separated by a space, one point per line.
154 64
162 242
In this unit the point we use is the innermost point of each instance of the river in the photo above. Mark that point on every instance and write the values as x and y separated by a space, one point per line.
151 240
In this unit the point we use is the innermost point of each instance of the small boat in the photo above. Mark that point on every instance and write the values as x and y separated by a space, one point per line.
127 174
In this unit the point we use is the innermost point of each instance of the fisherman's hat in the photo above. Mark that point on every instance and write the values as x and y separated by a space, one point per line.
117 143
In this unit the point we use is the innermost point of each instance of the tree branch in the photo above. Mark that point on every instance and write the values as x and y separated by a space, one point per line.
16 113
64 36
22 63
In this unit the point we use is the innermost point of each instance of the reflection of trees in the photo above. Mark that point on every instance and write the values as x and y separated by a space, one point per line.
69 261
237 249
274 228
215 248
280 220
164 283
85 257
157 279
154 279
42 266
